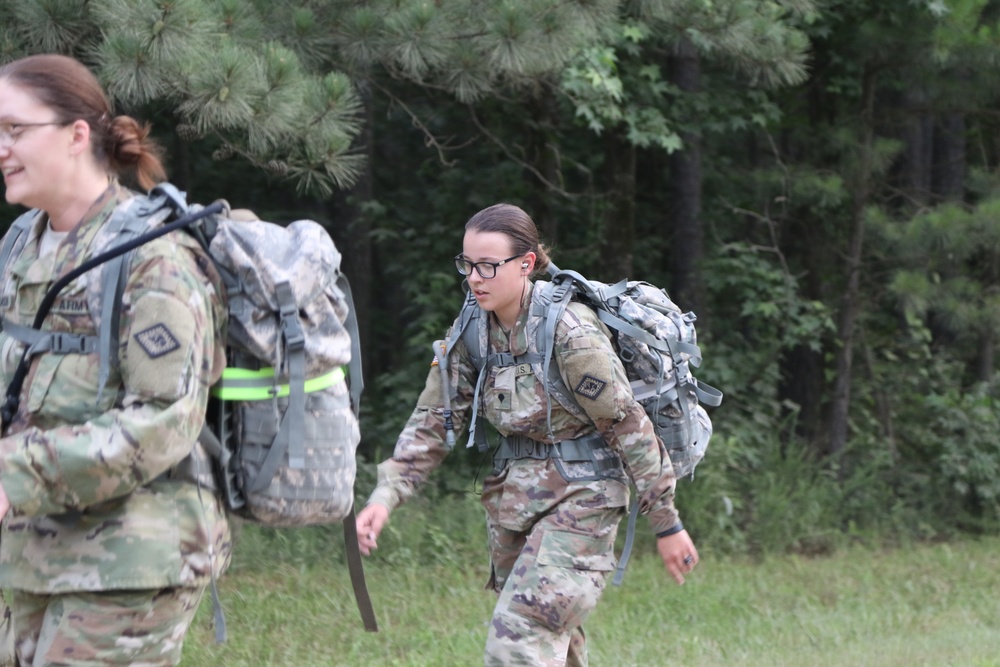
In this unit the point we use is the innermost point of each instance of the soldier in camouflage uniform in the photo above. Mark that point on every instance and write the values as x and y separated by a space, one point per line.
107 543
552 522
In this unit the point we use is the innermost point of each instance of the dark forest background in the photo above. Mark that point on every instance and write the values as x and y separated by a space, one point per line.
817 180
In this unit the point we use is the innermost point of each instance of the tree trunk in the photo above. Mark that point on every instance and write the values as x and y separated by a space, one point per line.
918 135
542 114
685 175
949 157
350 231
851 302
618 231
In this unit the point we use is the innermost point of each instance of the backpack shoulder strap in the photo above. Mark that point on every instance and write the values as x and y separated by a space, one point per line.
17 236
13 243
126 225
469 335
553 299
468 331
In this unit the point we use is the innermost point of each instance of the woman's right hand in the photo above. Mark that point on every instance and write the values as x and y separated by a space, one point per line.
370 522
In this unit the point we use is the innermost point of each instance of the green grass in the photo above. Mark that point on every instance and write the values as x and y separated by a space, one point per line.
288 601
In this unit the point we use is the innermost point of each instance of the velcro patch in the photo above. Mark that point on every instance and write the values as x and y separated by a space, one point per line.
590 387
157 340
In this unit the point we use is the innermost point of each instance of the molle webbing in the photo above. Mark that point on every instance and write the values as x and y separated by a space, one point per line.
579 450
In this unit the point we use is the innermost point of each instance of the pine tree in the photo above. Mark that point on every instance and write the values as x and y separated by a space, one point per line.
275 81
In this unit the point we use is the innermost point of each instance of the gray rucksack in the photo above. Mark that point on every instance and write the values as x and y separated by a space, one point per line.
282 424
656 342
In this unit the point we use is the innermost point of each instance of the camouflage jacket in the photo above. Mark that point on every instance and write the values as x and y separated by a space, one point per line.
94 506
514 402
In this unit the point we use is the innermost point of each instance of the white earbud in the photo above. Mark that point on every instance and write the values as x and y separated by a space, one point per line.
524 265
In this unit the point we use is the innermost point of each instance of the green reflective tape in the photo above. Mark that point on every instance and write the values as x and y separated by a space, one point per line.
241 384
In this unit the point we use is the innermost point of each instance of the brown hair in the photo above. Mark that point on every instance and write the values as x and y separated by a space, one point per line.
517 225
73 92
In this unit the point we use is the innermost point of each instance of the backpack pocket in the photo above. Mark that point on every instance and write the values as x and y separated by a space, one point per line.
318 488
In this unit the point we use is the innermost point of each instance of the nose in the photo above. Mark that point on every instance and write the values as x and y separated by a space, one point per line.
474 278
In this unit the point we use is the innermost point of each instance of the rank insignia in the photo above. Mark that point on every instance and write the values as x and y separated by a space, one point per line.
157 340
590 387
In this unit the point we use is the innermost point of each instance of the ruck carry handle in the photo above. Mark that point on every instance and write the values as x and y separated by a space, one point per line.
10 405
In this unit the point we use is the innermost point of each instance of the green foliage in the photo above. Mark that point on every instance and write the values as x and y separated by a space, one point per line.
619 84
949 267
265 77
964 425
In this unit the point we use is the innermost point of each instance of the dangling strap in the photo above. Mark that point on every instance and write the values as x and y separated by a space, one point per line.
218 614
633 514
357 570
441 358
352 550
477 430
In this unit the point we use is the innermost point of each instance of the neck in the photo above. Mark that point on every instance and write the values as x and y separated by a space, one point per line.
508 317
80 196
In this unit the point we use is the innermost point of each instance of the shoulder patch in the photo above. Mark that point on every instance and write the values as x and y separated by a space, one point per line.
157 340
590 387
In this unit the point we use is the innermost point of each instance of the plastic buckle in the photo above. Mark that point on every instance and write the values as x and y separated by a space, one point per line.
68 344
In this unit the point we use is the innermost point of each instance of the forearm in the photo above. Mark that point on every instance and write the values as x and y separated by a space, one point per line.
648 467
419 451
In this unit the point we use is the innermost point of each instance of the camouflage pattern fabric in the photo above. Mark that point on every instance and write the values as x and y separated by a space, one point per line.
651 310
514 402
319 488
530 501
322 490
135 628
7 657
92 509
549 579
303 256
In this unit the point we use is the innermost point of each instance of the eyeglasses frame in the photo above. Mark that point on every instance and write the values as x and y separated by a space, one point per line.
16 126
477 265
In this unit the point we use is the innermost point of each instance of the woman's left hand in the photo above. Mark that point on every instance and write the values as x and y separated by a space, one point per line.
678 554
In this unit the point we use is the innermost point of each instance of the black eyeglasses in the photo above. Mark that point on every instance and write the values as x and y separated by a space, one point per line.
485 269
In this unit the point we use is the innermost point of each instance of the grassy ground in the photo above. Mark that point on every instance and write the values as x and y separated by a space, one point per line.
932 605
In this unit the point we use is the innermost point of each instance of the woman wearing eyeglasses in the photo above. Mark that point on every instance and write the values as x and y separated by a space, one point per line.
551 520
107 542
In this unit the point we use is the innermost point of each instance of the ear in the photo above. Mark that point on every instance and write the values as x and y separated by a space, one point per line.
80 141
528 263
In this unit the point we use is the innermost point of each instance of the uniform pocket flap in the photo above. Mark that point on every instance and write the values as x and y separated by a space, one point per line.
577 551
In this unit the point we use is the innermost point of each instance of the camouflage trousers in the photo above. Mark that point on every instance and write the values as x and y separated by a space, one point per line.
549 579
142 628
